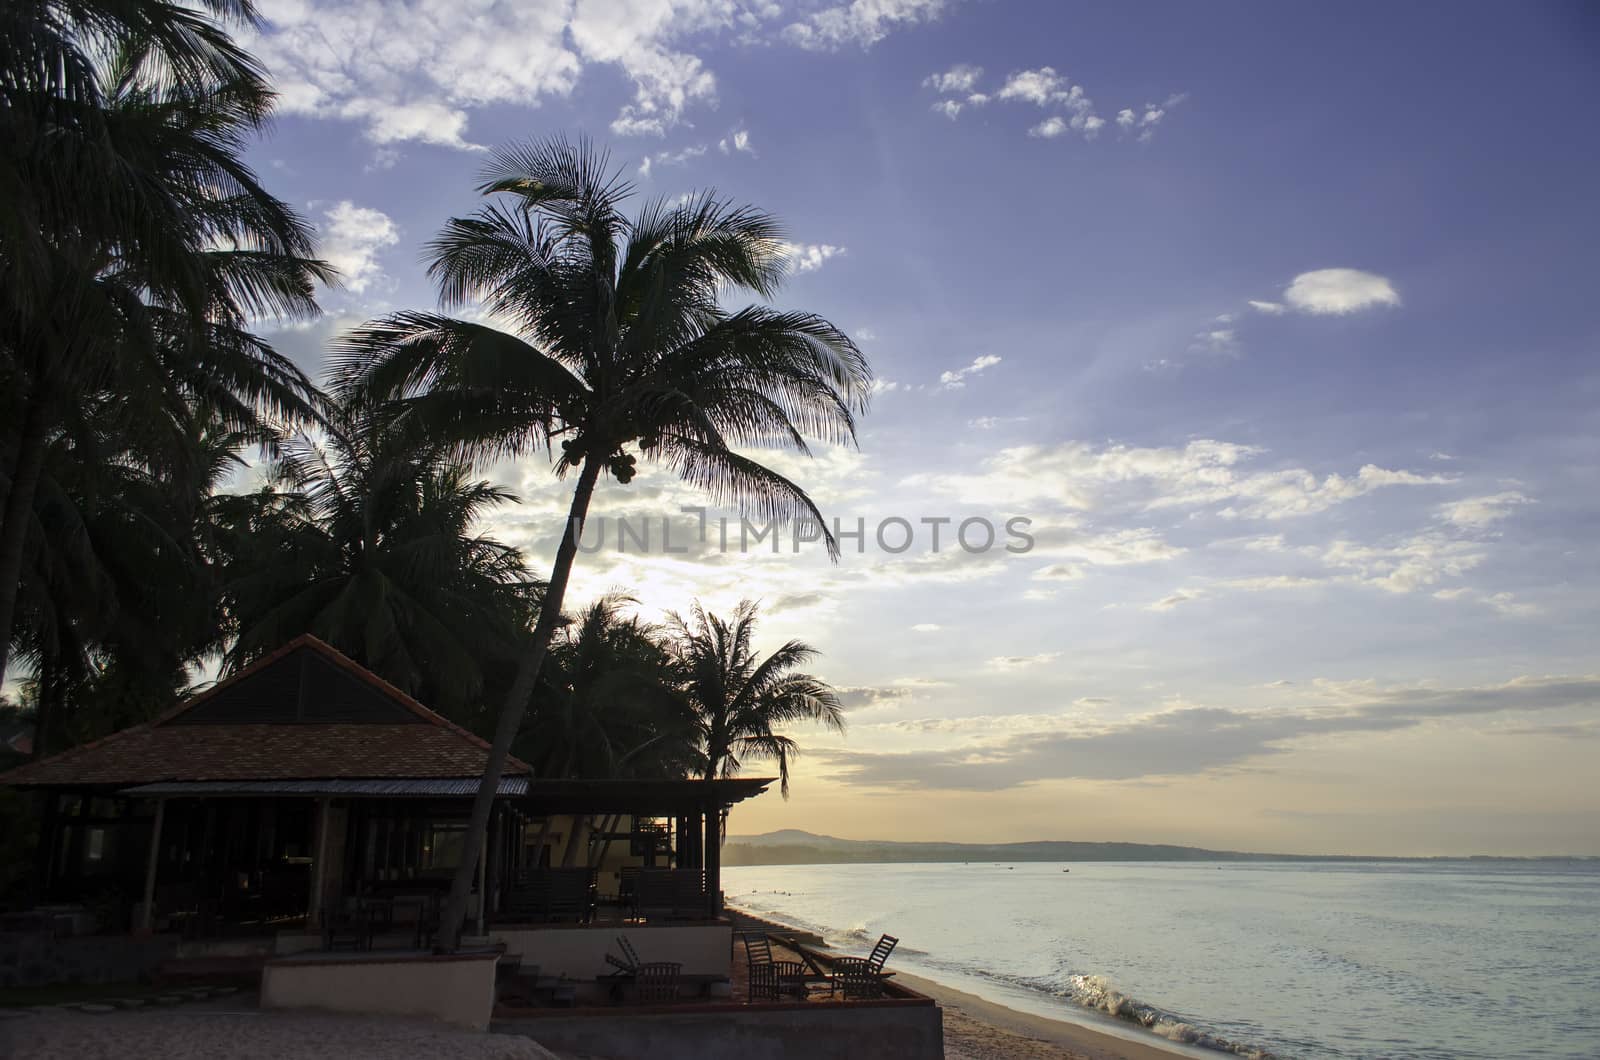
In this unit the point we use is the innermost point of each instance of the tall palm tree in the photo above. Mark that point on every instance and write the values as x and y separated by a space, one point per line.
373 545
135 245
618 348
740 701
120 590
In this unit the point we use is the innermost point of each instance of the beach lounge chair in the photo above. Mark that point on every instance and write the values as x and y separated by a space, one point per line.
769 980
851 973
657 981
629 963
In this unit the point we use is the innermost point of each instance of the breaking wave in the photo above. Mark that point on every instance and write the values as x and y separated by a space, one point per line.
1096 992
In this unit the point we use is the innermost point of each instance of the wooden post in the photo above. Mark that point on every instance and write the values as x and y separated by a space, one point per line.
712 856
147 917
319 866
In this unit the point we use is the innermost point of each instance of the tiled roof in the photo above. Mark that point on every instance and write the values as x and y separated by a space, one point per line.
400 739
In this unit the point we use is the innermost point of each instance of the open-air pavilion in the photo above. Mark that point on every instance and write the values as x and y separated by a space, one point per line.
303 788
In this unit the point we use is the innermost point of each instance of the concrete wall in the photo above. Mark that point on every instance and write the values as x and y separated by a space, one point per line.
889 1030
40 959
580 952
456 988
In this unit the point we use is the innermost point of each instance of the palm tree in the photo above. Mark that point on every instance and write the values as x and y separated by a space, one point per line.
135 245
621 350
373 546
119 594
608 705
741 701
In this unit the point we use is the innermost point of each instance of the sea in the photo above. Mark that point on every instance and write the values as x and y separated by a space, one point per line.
1442 960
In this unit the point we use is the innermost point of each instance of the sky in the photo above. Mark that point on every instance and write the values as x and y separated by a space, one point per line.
1275 324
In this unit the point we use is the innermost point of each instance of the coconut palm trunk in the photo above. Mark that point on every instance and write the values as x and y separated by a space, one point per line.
516 705
18 513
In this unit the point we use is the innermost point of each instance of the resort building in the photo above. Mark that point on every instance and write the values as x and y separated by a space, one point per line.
265 811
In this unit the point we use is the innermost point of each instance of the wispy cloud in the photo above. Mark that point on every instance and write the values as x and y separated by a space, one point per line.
956 379
1479 512
991 754
861 23
809 257
1042 87
670 158
1023 662
960 79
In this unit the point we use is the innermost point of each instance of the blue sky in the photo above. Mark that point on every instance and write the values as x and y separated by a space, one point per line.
1276 320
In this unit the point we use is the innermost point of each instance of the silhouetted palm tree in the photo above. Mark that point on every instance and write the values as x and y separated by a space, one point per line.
740 701
618 348
135 245
373 545
607 704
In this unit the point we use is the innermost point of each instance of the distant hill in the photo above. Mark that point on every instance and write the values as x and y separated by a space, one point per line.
793 847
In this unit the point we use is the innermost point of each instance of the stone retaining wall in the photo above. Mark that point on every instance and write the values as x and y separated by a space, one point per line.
861 1030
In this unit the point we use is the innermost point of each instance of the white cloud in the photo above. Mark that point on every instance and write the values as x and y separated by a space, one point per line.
1216 340
989 423
670 158
926 627
959 79
1474 513
1338 291
1034 86
1411 564
433 61
948 107
352 236
957 379
1045 87
860 22
1059 572
1175 599
1271 309
739 141
809 257
1023 662
1204 473
1049 128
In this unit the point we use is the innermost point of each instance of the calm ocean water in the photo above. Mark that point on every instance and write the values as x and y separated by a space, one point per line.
1448 960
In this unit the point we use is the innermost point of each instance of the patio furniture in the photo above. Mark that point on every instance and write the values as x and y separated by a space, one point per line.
657 981
858 983
628 963
849 971
553 895
767 979
669 894
349 927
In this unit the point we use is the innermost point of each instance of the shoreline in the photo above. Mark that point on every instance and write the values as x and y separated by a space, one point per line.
977 1028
